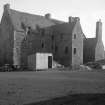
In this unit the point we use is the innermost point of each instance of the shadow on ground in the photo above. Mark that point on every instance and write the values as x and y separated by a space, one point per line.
77 99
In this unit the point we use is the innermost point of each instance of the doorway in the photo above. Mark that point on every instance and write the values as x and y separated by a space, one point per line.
49 61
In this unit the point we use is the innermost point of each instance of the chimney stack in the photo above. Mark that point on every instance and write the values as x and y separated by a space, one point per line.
99 30
7 6
48 16
73 19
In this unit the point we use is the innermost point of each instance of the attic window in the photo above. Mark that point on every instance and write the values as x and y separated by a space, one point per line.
74 36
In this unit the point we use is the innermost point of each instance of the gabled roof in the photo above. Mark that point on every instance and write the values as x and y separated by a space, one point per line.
19 18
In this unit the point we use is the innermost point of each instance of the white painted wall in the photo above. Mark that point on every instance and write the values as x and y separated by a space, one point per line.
38 61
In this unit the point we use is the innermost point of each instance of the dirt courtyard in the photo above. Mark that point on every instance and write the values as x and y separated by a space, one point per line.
18 88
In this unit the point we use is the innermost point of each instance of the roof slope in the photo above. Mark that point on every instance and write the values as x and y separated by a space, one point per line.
90 43
31 20
64 27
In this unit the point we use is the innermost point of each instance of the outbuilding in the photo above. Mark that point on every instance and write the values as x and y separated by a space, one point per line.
40 61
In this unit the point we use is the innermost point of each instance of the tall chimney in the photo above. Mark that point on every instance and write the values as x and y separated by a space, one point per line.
99 30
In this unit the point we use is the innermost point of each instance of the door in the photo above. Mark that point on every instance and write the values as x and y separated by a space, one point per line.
49 61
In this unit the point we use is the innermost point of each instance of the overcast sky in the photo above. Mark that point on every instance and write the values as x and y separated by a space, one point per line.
89 11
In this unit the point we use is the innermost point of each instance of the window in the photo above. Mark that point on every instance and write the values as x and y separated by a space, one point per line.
52 37
28 30
66 50
74 50
74 36
23 26
42 45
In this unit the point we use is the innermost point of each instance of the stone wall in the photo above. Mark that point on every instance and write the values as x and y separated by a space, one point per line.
99 51
6 39
62 44
77 45
18 38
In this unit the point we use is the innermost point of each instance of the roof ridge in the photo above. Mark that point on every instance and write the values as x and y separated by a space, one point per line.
22 12
17 17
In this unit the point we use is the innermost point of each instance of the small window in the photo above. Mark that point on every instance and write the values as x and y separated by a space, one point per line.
52 37
42 45
74 36
23 26
74 50
28 32
66 50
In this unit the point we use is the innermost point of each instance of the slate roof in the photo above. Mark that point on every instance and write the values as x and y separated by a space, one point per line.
64 27
30 20
90 43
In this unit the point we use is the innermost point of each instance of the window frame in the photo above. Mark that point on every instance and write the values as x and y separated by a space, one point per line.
75 36
74 51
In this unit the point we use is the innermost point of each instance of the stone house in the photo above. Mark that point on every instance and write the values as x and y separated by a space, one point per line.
13 30
23 34
64 41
